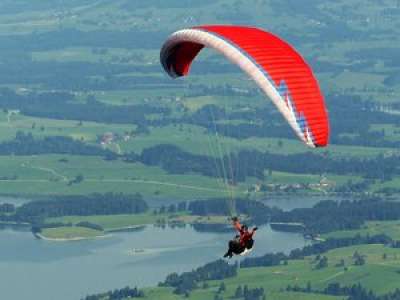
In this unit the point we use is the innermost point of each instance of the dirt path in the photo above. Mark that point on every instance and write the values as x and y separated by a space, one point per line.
150 182
49 170
332 277
153 182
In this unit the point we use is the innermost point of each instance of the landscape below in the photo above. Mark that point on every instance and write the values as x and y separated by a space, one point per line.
95 139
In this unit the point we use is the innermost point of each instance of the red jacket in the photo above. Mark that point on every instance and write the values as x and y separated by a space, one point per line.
245 235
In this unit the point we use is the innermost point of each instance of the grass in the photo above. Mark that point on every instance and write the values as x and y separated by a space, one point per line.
359 81
70 233
393 183
150 190
191 138
197 140
115 222
392 133
378 274
390 228
153 182
50 174
138 96
290 178
86 54
209 294
42 127
111 222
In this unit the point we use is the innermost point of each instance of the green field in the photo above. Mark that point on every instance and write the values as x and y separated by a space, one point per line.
301 25
51 174
112 222
109 50
70 233
190 138
379 274
209 294
116 222
389 228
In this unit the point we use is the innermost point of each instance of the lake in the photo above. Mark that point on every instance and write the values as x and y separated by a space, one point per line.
45 270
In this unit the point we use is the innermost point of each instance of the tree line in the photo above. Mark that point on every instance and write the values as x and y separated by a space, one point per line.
276 259
118 294
7 208
327 216
26 144
249 293
255 210
253 163
70 37
345 111
62 106
218 270
188 281
78 205
353 292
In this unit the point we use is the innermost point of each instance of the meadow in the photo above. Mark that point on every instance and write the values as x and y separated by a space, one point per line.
109 51
378 274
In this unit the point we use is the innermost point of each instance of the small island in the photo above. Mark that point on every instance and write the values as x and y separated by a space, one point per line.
69 233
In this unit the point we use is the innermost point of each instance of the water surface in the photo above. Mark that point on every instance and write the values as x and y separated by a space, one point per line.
38 269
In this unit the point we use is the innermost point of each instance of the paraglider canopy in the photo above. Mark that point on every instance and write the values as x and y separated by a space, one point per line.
275 66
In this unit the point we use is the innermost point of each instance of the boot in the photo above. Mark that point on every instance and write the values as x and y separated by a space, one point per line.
228 254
